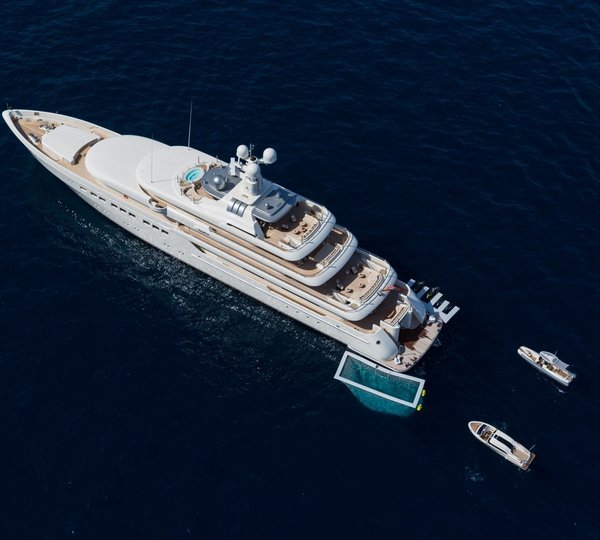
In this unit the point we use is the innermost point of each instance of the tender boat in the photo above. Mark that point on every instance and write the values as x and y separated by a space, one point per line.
229 221
549 364
502 444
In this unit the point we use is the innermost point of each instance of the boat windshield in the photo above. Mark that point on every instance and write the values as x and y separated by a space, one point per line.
482 429
549 357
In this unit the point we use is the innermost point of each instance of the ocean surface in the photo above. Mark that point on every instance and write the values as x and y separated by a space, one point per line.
141 399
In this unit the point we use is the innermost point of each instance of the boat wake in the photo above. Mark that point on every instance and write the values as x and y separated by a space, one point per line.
198 298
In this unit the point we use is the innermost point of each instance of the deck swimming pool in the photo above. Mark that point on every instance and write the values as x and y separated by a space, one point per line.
193 174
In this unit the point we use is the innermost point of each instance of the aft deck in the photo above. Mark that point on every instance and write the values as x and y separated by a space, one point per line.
295 228
359 280
416 343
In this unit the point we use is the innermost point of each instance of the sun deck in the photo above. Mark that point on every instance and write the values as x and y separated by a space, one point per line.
292 230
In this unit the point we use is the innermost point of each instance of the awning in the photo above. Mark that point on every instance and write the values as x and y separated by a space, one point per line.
66 141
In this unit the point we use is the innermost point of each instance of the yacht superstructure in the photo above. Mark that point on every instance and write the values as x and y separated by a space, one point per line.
229 221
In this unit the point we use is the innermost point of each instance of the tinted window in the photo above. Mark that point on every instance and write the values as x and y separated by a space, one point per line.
505 442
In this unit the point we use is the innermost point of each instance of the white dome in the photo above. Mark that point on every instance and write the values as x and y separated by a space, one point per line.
252 171
242 151
115 160
269 156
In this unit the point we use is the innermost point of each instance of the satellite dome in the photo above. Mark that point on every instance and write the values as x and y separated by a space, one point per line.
242 151
269 156
253 171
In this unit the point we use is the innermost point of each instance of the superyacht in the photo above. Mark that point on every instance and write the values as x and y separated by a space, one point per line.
229 221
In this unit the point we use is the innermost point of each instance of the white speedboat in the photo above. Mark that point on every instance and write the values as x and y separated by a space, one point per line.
502 444
227 220
549 364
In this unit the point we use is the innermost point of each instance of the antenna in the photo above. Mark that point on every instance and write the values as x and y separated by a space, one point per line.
151 156
190 126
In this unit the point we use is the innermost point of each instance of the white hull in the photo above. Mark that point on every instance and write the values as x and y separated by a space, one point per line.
338 289
130 215
532 358
519 456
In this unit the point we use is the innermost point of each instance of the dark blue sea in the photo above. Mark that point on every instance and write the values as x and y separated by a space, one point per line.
141 399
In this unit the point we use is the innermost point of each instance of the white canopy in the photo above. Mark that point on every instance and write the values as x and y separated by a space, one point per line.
66 141
553 360
114 161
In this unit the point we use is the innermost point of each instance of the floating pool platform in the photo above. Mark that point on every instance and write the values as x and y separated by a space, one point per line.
380 388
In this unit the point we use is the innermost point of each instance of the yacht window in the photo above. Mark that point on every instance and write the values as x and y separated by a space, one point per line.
113 205
102 199
155 227
505 442
123 210
93 194
146 222
132 215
